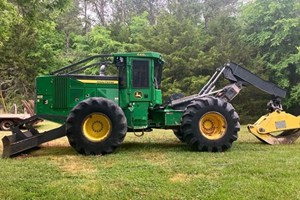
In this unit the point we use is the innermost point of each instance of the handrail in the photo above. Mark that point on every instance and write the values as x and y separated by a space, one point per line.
80 62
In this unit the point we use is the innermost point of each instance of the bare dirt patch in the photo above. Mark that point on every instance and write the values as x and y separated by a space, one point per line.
73 164
155 157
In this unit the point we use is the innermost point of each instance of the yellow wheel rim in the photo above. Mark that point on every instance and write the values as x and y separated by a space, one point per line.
213 125
96 127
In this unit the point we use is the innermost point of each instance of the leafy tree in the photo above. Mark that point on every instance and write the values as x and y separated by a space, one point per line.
273 27
8 17
185 9
31 45
98 41
181 43
124 10
137 26
69 23
215 8
101 9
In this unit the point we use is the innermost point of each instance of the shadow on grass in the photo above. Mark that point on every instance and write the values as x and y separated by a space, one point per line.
46 151
138 146
133 147
59 150
256 146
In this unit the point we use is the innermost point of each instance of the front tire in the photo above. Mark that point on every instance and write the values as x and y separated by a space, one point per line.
96 126
210 124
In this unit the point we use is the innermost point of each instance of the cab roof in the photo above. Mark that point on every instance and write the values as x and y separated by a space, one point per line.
140 54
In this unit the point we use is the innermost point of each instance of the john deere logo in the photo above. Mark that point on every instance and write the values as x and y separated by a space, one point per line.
138 95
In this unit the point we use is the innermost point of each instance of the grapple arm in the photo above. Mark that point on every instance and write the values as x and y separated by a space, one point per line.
277 127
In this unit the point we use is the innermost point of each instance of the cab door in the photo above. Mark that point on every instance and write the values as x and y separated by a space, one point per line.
140 92
140 80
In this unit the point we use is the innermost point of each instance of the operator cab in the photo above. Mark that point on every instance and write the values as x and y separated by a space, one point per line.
141 72
140 76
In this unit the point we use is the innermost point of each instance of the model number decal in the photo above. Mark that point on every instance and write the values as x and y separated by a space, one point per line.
99 81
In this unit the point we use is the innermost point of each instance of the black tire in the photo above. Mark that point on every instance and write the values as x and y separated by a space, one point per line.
178 134
6 124
82 131
210 124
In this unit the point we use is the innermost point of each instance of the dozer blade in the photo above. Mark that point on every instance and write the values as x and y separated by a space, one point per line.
286 137
20 141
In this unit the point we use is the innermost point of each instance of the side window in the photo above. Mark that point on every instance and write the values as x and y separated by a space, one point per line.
122 76
140 74
121 64
157 74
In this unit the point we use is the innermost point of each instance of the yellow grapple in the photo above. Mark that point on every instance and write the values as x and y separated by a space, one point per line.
277 127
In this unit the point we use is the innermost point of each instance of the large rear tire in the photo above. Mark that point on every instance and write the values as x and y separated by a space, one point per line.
210 124
96 126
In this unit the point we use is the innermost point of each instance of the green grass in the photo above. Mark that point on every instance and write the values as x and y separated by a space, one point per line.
155 166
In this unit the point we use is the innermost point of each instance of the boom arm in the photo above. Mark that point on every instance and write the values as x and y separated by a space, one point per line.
239 77
235 73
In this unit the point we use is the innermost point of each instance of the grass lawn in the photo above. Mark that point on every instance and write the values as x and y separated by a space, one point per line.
155 166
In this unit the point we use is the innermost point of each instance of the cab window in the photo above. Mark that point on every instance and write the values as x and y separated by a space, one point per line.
140 73
121 65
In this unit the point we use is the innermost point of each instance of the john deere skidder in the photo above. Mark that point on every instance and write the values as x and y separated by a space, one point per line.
96 111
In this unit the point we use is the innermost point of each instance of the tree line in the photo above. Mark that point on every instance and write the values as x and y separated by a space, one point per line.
194 36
